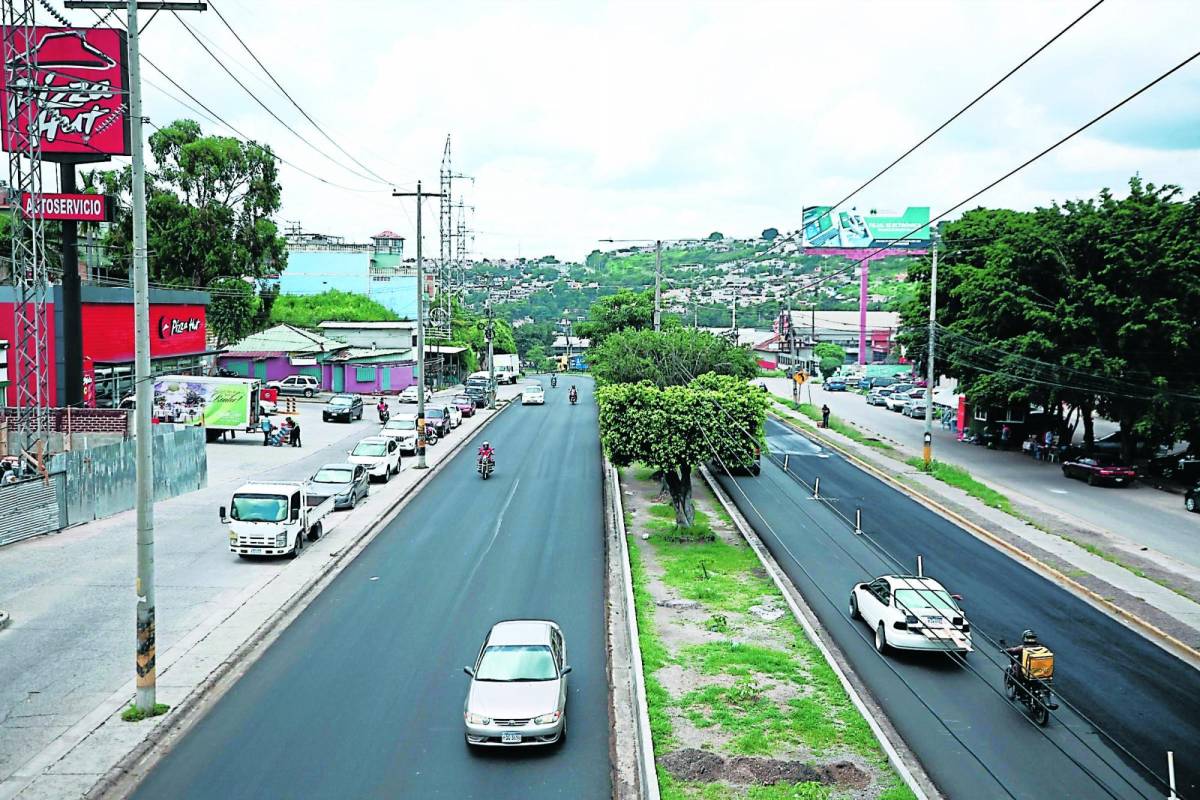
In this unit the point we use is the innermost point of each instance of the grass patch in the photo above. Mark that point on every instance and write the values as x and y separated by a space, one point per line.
644 473
654 654
958 477
664 528
713 572
836 424
757 724
135 714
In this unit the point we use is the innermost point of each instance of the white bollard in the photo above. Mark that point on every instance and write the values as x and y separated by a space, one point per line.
817 489
858 521
1171 773
920 566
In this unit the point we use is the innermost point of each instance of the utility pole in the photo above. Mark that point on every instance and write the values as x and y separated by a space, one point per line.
489 333
420 325
928 448
143 389
657 284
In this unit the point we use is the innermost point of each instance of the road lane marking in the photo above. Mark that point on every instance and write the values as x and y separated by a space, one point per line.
495 532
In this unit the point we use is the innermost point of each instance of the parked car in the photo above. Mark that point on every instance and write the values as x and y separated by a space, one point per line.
1191 500
1099 469
346 483
877 382
402 428
1180 466
835 385
899 397
533 394
408 395
306 385
911 613
878 397
479 394
456 416
518 691
438 418
915 407
465 405
379 454
343 407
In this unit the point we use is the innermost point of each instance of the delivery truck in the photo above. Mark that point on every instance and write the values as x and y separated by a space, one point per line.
508 367
217 404
274 519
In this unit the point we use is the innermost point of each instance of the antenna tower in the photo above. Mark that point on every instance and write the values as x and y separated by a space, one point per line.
31 279
446 284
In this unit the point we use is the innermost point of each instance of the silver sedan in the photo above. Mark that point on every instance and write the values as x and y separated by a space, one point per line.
518 692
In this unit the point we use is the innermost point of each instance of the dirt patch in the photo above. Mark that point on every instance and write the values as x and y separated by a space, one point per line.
690 764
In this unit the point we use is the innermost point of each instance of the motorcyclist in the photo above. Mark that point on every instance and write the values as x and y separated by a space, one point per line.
486 453
574 394
382 408
553 381
1028 639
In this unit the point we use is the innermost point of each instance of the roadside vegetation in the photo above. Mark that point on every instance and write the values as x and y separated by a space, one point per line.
742 704
835 424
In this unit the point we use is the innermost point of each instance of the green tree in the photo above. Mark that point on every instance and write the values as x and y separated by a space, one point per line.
537 358
232 311
209 205
716 236
625 310
770 234
668 358
676 428
308 311
830 355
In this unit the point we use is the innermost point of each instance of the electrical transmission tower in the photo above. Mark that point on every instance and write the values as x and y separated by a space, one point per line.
31 280
446 284
462 248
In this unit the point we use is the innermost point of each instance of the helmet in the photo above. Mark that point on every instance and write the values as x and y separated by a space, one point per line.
1029 637
486 446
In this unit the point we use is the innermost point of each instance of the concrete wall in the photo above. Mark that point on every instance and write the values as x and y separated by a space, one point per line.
316 271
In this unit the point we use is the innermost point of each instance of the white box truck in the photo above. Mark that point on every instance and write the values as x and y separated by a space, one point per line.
217 404
274 519
508 367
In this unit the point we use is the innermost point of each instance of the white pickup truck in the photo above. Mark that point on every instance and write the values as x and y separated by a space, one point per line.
274 519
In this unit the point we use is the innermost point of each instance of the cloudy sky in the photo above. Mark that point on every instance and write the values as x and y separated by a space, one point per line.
587 120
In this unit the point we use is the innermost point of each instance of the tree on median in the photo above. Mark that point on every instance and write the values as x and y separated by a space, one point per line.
668 358
677 428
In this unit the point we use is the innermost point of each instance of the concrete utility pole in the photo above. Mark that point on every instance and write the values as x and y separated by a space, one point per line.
420 325
928 448
658 284
489 333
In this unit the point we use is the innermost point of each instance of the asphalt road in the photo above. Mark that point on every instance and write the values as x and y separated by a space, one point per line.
1139 513
1147 700
361 696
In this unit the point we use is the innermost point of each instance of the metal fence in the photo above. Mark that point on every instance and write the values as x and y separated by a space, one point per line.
98 482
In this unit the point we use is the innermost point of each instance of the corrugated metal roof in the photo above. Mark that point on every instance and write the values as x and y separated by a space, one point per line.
286 339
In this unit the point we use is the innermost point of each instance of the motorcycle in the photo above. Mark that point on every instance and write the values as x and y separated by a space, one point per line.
431 435
574 397
485 467
384 416
553 381
1034 693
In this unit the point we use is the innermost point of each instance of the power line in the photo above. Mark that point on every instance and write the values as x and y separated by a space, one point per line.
312 121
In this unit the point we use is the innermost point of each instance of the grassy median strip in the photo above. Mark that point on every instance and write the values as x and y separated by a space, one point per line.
961 479
835 424
742 704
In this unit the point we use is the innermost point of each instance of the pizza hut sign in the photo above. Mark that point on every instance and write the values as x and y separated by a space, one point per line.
172 326
68 90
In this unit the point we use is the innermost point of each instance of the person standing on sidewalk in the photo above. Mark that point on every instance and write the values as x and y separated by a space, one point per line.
294 438
825 416
265 427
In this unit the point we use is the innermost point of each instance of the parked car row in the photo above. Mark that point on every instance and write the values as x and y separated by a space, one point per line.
905 398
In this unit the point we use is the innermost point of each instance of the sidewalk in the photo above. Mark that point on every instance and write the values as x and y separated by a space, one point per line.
1147 599
66 659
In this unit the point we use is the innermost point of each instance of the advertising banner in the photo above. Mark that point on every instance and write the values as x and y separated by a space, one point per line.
824 227
79 207
212 405
89 382
73 89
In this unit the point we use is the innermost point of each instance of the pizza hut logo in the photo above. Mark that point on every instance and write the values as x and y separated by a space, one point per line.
170 326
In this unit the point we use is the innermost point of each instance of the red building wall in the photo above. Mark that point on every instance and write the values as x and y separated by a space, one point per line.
7 326
108 331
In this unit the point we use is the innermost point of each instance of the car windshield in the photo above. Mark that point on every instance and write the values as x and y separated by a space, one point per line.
340 401
435 412
259 508
516 662
369 449
333 475
926 598
401 425
462 398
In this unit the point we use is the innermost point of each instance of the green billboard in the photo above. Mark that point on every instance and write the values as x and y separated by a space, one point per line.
195 401
824 227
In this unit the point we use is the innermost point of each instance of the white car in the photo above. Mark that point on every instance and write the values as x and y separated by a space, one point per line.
455 415
911 613
306 385
402 428
379 454
409 395
533 394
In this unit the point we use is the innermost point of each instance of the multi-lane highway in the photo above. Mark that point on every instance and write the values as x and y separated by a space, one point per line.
971 740
361 696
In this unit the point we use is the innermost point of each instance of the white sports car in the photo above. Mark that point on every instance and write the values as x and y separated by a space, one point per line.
911 613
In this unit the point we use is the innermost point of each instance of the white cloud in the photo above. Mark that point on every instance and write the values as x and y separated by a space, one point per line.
641 119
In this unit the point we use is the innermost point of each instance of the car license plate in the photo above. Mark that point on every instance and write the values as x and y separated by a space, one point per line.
1120 480
510 738
256 550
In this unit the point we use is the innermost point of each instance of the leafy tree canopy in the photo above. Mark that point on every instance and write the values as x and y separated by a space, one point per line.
625 310
770 234
716 236
677 428
233 311
308 311
668 358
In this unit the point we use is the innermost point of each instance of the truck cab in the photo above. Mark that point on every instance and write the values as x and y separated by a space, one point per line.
274 519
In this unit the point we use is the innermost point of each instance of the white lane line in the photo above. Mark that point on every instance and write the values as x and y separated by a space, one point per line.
495 533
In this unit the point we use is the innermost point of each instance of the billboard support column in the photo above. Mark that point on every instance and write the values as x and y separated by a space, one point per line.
862 311
72 313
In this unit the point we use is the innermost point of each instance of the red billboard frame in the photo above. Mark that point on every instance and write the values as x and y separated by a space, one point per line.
82 78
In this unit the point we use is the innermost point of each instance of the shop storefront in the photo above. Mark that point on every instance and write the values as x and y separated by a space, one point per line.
177 340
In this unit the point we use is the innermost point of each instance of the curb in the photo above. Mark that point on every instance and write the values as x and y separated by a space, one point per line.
189 710
1151 632
647 773
924 788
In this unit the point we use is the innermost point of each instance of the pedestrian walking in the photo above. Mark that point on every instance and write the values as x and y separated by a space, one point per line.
265 427
295 434
1005 436
825 416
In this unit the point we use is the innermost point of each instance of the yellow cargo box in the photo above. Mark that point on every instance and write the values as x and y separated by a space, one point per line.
1037 662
